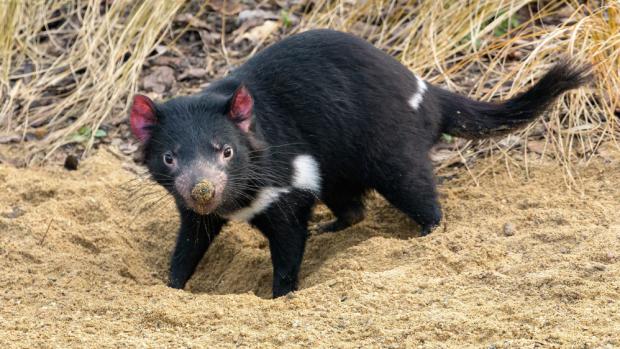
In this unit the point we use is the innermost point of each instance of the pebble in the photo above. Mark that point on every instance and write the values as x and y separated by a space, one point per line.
14 213
509 229
291 295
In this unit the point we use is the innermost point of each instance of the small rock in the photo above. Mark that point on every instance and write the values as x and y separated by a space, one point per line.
291 295
509 229
71 162
611 256
15 212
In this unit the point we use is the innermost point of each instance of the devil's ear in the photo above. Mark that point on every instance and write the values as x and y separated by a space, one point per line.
241 108
142 117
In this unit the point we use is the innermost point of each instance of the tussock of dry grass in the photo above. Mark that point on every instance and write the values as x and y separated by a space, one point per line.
77 74
60 78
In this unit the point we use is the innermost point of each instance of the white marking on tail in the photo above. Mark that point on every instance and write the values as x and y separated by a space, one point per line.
306 173
265 197
417 97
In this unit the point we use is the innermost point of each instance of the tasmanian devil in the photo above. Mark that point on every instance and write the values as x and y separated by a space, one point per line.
321 115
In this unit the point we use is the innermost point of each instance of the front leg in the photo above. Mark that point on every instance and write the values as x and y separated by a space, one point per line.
285 224
196 234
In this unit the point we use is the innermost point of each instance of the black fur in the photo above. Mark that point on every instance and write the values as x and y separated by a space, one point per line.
339 99
466 118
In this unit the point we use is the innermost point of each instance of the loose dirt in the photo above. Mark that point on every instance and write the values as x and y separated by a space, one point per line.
519 262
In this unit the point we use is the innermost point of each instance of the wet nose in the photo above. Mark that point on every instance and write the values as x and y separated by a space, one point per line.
203 192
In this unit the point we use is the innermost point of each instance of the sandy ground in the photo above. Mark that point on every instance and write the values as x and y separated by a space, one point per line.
83 266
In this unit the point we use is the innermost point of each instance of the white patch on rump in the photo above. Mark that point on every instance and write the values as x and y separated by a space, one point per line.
265 197
306 173
417 97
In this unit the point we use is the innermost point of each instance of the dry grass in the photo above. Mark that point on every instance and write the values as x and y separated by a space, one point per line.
61 78
56 79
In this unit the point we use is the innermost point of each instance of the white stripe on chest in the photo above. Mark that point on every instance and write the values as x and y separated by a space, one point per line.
265 197
306 176
418 96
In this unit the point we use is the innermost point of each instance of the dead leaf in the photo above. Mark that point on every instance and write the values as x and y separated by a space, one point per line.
608 152
455 144
159 80
161 49
226 7
442 155
580 128
40 132
509 141
537 147
173 62
193 73
259 33
9 138
192 21
256 15
128 148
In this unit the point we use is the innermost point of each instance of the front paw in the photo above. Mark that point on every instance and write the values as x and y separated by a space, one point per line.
283 285
282 291
427 229
176 283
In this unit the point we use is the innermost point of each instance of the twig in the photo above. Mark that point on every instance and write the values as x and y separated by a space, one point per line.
46 230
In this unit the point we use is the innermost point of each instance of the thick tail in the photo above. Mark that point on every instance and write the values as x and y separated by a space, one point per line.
464 117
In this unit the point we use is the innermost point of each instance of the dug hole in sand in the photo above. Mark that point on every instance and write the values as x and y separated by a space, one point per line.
517 263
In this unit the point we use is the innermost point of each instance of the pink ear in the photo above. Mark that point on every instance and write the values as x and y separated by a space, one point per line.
142 116
241 108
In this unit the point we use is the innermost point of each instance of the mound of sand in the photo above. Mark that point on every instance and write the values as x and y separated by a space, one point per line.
518 263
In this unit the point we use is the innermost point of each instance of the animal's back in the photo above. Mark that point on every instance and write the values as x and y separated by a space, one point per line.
339 94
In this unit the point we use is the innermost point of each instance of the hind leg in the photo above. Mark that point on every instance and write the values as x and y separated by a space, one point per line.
348 209
411 189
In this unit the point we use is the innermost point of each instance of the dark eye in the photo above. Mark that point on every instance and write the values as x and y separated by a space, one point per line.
228 152
168 158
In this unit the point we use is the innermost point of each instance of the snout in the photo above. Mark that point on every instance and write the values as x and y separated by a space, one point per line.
203 192
203 195
201 186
